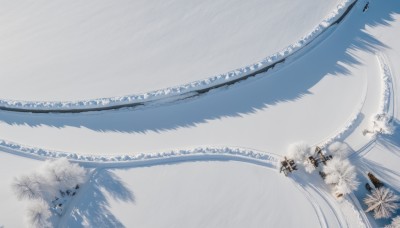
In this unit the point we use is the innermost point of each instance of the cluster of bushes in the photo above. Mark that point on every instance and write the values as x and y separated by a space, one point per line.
337 170
381 124
45 185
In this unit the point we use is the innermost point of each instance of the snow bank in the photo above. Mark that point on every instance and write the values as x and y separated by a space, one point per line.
190 89
386 85
155 158
382 120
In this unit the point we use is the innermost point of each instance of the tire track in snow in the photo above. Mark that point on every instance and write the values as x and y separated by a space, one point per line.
387 106
362 216
316 207
313 192
193 89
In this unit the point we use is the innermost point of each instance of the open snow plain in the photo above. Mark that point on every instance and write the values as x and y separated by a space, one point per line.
227 143
199 194
80 50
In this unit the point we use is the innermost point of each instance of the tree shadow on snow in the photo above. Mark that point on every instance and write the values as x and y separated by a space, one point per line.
92 210
392 142
332 57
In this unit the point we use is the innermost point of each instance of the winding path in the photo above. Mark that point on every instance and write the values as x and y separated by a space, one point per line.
185 91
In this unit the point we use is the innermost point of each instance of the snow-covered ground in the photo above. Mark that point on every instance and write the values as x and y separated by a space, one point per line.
11 166
80 50
195 194
330 91
257 113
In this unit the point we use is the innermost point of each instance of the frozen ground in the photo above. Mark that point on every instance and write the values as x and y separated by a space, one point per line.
80 50
195 194
330 92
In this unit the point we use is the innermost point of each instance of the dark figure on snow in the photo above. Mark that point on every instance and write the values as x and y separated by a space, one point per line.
366 7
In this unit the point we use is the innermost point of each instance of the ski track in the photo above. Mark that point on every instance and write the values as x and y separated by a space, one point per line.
316 207
192 89
329 201
387 106
355 205
351 124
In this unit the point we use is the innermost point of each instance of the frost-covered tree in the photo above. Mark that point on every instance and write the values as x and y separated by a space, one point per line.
395 223
381 124
34 186
383 202
54 176
64 174
299 152
26 187
338 149
342 175
38 214
44 186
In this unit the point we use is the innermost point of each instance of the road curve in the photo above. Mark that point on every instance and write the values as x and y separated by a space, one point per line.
173 94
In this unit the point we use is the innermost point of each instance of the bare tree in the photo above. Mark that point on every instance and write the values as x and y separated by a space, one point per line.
383 202
26 187
38 214
65 174
54 176
342 175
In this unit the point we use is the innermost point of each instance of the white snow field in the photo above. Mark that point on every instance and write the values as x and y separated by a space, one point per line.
12 210
211 160
264 113
194 194
79 50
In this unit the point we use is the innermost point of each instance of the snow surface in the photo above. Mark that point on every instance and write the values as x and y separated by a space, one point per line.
199 194
13 210
90 48
331 91
260 109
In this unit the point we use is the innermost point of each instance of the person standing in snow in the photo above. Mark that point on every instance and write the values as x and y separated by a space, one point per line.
366 7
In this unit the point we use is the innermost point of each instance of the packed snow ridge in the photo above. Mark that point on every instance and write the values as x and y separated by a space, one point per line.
206 153
187 90
382 120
